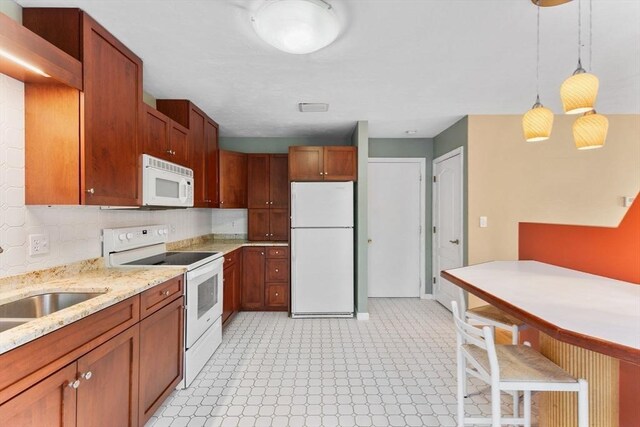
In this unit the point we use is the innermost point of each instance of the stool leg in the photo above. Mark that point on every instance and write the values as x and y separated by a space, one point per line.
462 379
515 335
527 408
583 403
516 403
495 407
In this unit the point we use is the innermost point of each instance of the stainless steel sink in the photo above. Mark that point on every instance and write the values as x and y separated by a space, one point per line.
20 311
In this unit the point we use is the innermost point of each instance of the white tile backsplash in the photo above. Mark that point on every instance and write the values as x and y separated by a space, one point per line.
74 231
230 221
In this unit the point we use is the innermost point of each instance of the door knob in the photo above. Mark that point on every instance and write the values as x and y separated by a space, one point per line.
455 242
370 240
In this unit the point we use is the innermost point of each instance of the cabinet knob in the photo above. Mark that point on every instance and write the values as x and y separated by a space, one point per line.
277 252
321 173
91 191
74 384
277 294
261 253
270 203
87 375
277 270
221 202
171 152
165 293
326 173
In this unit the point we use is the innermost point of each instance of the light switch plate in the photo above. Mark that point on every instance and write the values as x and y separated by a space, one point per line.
483 222
628 201
38 244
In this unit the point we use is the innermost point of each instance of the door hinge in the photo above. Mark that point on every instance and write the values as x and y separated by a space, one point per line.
420 177
434 229
434 280
420 230
434 178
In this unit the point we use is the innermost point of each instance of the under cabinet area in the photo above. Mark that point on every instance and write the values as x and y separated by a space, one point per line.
82 147
329 163
265 278
108 368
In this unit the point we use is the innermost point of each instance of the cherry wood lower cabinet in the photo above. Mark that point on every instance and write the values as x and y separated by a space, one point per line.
232 278
106 369
265 278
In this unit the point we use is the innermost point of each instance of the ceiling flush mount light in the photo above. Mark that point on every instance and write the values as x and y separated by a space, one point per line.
296 26
538 121
579 91
590 130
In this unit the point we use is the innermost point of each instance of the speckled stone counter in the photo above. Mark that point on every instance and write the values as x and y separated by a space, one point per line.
213 244
117 284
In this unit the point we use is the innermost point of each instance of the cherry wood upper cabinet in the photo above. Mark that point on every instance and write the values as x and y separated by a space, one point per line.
306 163
165 138
258 181
233 179
278 182
203 145
104 136
330 163
268 197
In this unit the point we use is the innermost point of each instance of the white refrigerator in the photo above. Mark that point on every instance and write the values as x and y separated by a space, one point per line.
322 257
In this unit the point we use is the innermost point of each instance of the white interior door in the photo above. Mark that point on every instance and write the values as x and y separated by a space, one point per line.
396 216
448 222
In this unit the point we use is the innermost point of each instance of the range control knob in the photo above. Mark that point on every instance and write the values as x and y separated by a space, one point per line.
122 236
129 235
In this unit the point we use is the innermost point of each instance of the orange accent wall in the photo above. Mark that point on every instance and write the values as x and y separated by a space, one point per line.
609 252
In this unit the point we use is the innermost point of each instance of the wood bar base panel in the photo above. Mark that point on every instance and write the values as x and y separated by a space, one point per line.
602 372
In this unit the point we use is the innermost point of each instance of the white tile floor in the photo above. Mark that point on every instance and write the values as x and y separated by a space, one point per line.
396 369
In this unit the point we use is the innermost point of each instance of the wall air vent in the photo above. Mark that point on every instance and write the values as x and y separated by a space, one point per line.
313 107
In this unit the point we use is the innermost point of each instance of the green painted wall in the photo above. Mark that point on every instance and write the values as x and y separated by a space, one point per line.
12 9
275 145
360 139
457 135
412 147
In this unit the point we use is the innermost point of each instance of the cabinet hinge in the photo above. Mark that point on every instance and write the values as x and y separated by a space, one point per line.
434 280
434 229
420 177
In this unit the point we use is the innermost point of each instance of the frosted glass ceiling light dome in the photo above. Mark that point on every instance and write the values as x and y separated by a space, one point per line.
296 26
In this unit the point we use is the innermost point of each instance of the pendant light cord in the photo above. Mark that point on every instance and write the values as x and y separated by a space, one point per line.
590 35
538 53
579 31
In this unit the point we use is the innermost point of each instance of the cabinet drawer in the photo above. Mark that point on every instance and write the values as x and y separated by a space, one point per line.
276 295
277 270
231 258
157 297
278 252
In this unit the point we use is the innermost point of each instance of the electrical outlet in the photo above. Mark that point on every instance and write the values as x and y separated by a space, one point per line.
483 222
173 228
628 201
38 244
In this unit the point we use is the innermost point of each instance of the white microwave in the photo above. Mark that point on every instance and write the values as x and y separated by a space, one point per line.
165 183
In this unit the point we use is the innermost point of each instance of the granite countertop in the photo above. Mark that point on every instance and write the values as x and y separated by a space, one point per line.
118 284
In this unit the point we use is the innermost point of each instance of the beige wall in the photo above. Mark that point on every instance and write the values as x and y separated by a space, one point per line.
511 181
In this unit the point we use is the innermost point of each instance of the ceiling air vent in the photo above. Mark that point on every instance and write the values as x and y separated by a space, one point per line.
313 107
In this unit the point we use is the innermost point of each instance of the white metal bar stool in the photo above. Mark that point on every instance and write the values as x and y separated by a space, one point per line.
491 316
508 368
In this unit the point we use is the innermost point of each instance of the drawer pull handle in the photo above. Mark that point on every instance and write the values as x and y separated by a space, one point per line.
87 375
277 294
276 270
165 293
74 384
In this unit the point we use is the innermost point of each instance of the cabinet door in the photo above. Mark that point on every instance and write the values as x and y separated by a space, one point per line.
156 133
51 402
233 179
277 270
179 144
112 117
259 225
340 164
211 139
237 281
161 350
258 181
108 391
253 278
198 149
278 225
306 164
276 295
278 181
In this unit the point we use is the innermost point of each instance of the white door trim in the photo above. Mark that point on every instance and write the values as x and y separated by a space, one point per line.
423 178
458 151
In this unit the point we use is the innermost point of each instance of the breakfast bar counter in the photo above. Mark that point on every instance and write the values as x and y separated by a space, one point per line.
588 323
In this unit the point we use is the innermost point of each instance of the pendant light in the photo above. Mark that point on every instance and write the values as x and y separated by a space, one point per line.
590 130
538 121
579 91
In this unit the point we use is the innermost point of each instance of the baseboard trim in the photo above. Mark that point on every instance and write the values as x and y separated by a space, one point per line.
427 296
362 316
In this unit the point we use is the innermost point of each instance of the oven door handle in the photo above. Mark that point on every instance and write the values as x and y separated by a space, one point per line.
206 270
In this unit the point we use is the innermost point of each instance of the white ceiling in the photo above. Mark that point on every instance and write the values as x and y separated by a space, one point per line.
400 64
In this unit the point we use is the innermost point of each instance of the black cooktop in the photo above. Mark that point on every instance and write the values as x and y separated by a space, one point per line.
174 258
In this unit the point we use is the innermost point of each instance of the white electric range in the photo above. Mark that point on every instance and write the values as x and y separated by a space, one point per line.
146 247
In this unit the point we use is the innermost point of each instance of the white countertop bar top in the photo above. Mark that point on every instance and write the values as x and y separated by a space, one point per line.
582 303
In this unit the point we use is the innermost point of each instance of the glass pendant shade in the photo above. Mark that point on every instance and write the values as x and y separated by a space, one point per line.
590 131
579 92
296 26
537 123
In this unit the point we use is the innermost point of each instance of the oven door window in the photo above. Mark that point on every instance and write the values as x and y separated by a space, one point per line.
207 295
